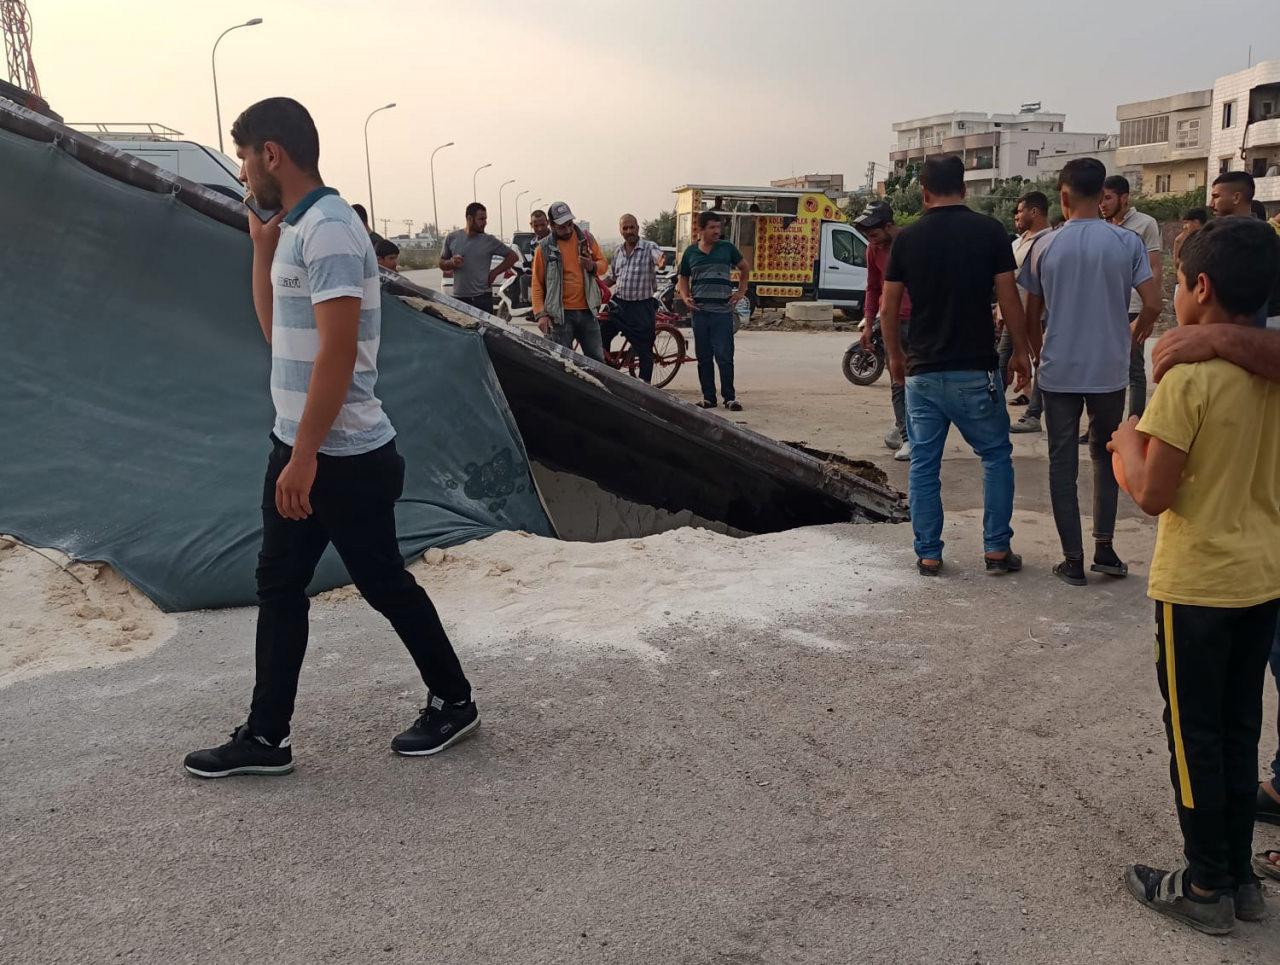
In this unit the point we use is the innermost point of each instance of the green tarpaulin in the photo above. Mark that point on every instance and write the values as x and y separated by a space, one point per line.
134 404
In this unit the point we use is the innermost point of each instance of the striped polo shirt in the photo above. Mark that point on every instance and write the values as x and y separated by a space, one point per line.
325 252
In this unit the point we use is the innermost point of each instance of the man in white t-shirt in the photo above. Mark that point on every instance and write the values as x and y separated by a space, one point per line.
1115 208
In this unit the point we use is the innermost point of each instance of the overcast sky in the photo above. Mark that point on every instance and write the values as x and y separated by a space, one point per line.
611 105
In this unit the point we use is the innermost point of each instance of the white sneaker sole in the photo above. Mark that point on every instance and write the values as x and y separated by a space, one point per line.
460 735
265 770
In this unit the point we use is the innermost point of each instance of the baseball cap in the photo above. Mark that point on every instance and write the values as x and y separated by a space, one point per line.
877 215
559 213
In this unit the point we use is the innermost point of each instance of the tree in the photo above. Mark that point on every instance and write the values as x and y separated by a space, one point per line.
662 229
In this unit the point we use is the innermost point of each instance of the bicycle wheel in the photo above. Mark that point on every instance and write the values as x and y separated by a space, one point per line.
668 355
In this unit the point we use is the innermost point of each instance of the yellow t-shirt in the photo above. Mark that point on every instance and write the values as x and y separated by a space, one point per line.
1219 543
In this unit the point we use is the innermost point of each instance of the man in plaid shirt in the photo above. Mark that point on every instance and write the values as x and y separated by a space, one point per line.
633 310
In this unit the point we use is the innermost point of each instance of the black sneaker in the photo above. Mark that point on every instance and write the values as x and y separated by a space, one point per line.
1165 892
733 405
439 726
1250 903
1106 561
1071 571
245 753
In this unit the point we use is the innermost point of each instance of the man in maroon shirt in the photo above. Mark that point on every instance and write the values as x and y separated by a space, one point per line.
876 224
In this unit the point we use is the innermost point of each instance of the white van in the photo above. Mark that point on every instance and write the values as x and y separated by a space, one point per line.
166 148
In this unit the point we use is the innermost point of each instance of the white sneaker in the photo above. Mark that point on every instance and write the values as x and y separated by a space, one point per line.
893 439
903 454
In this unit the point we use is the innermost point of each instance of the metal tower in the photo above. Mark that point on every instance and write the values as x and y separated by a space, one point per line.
15 23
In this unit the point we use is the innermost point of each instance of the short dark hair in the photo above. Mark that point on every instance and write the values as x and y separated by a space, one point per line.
1037 200
1196 214
1084 177
537 213
283 121
385 248
1241 256
474 208
708 217
1117 183
943 175
364 215
1242 178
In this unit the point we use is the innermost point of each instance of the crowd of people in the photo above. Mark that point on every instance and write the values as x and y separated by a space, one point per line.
1074 306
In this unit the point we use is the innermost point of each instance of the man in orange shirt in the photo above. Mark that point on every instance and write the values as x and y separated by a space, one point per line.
566 292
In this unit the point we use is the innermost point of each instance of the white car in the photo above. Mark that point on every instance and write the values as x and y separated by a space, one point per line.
166 148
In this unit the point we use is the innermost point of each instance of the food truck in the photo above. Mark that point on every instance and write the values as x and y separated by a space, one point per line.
799 243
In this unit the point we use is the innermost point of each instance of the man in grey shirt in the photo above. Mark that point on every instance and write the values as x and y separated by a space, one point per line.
1115 208
468 253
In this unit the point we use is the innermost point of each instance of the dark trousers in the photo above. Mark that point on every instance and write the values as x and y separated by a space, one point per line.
1210 664
484 301
1275 673
713 344
637 321
1004 355
1062 423
353 506
898 390
1137 377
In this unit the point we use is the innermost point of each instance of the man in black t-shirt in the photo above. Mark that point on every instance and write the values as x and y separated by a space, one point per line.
948 263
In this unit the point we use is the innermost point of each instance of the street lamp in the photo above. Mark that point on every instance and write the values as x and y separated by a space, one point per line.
435 212
368 172
473 179
502 225
213 61
517 207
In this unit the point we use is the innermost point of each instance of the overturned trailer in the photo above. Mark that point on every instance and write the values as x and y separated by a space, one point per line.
118 278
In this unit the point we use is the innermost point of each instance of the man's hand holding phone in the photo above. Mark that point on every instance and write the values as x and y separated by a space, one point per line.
265 234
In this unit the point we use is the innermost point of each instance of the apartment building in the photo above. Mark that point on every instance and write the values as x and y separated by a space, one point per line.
1165 142
993 146
1245 122
832 185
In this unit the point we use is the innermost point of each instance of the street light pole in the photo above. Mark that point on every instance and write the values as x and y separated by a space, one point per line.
213 62
517 207
502 226
473 179
435 212
368 171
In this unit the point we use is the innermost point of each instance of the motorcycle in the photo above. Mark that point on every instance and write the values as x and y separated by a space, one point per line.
514 299
860 366
673 305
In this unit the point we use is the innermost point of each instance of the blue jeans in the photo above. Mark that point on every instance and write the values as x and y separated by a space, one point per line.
713 344
973 402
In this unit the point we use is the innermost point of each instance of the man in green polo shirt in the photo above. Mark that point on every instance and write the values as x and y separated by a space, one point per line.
706 286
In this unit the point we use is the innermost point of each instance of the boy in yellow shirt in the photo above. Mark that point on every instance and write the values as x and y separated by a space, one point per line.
1206 458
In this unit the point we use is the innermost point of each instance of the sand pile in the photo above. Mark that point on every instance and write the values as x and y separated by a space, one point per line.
639 596
59 615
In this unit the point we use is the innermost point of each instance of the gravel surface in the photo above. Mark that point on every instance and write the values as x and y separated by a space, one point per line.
950 770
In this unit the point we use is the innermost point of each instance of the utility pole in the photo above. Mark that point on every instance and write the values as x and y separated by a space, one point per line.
408 227
385 223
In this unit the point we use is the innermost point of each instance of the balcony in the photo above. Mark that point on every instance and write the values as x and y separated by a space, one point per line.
1266 189
1263 133
980 163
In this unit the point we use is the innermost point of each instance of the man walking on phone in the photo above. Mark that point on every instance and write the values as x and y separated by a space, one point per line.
334 474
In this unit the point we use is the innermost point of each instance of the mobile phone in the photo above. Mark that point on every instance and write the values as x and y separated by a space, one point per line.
263 214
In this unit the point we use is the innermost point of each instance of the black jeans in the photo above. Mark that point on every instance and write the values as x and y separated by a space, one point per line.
483 301
637 321
1137 377
353 506
713 345
1210 664
1062 423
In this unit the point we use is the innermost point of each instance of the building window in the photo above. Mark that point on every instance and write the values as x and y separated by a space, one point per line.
1032 158
1145 130
1228 114
1224 165
1164 183
1192 181
1188 134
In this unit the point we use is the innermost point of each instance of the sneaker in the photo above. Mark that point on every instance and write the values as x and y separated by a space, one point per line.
904 453
1020 400
1106 561
1071 571
893 438
245 753
1251 905
733 405
439 726
1165 892
707 404
1028 423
